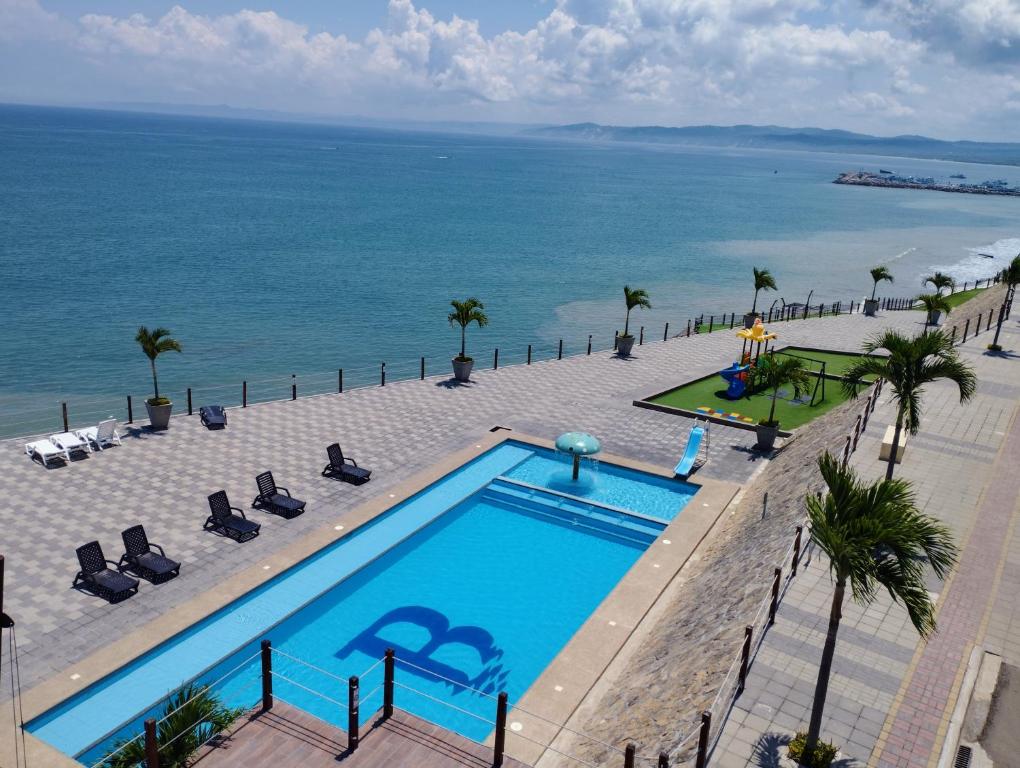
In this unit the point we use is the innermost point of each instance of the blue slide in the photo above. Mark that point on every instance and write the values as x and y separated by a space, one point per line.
691 453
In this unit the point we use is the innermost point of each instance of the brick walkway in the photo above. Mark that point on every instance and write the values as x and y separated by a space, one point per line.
960 464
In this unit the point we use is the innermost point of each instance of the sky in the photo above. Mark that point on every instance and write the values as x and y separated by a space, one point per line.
943 68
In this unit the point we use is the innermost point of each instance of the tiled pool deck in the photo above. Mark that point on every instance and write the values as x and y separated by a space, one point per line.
891 695
162 480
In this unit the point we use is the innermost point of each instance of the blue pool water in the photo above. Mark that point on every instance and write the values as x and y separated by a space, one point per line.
477 579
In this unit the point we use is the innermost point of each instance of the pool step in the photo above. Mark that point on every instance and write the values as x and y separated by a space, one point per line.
570 510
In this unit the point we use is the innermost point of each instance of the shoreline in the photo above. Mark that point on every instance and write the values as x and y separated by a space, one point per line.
864 179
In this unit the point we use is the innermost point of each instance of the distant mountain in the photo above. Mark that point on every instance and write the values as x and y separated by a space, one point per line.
804 139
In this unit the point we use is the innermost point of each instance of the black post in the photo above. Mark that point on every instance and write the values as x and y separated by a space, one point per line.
388 669
244 394
745 658
796 551
495 359
63 412
688 327
267 676
499 737
616 339
966 328
703 738
663 760
806 311
529 354
293 386
151 745
189 401
423 368
589 343
988 325
629 753
559 355
821 309
732 317
340 381
711 322
776 578
352 713
382 374
131 415
665 333
641 336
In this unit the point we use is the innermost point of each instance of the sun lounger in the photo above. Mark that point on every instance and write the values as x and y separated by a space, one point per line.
276 499
139 558
224 520
98 578
45 450
70 442
103 435
343 467
213 416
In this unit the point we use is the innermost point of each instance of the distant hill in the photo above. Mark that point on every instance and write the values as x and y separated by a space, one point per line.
804 139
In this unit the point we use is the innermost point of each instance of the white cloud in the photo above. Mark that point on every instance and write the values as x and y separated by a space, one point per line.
26 20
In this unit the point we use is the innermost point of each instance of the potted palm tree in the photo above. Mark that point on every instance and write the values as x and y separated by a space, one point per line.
878 274
763 281
939 282
464 313
875 538
635 297
1011 277
912 363
153 344
191 717
934 305
773 374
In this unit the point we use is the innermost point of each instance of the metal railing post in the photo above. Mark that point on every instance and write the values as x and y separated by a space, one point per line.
131 415
952 340
703 738
388 677
796 551
663 760
423 367
559 354
665 333
352 713
189 401
495 359
529 354
382 374
339 381
966 328
688 327
499 737
629 753
616 340
151 745
267 676
774 606
63 414
711 322
745 658
244 394
589 343
293 386
641 336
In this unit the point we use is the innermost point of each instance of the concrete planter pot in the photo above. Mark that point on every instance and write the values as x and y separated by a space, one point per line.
159 415
767 434
749 319
933 317
870 307
624 344
462 368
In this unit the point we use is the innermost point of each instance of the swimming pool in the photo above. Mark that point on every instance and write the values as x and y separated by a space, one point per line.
477 581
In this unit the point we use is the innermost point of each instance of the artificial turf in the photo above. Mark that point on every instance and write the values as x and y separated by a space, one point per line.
956 299
790 413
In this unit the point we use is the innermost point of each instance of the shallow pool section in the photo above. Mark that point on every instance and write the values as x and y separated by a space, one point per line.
477 582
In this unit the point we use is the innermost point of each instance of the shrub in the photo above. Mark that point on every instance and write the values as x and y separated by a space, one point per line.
825 753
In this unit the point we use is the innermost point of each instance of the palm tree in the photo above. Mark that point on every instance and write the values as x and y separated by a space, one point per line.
878 274
789 371
1011 277
875 537
190 718
153 344
464 313
635 297
912 363
939 281
934 304
763 281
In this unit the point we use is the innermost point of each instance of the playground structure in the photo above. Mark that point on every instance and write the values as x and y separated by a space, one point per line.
736 377
698 437
738 374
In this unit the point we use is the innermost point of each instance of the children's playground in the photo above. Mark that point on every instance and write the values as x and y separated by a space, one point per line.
737 395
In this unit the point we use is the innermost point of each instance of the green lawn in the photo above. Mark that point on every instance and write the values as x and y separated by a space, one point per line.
957 299
791 414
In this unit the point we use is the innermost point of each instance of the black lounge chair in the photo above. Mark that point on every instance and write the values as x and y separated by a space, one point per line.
275 499
224 520
213 416
139 558
98 578
343 467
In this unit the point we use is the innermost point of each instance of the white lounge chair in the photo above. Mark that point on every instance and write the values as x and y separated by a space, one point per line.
70 442
46 450
102 435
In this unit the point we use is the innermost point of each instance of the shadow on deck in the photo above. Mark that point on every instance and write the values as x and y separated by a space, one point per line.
287 736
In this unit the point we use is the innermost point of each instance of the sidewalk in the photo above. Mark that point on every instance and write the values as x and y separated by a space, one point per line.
890 695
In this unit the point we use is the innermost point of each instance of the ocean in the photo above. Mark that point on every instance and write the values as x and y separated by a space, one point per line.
272 249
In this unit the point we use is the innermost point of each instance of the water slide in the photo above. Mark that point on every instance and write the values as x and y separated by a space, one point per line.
691 453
